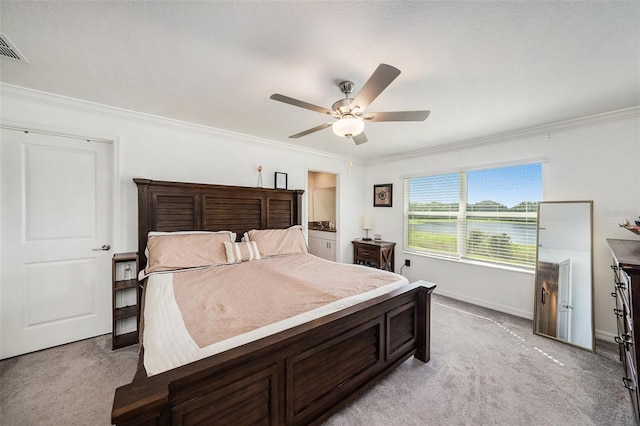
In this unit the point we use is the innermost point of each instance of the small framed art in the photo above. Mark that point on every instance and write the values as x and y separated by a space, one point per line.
383 195
281 180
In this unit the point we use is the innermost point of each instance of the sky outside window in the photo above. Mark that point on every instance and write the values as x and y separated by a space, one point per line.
509 186
506 185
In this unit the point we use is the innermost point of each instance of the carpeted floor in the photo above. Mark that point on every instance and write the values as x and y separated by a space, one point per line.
486 368
68 385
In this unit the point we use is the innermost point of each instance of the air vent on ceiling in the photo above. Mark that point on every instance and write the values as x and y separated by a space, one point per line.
8 50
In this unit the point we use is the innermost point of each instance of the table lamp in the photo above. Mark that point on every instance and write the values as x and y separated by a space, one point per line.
367 224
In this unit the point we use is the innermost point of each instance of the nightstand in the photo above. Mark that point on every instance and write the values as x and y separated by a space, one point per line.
377 254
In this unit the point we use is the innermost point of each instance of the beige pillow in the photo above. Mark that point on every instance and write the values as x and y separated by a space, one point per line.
170 252
241 252
232 235
277 242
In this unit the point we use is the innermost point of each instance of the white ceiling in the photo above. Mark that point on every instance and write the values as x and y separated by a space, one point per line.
482 68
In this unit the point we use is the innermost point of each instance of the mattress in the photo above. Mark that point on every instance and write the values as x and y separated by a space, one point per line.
173 333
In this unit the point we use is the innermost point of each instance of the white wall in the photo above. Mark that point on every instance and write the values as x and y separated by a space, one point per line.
162 149
590 159
585 161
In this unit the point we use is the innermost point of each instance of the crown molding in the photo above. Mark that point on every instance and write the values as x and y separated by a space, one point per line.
561 126
24 94
65 102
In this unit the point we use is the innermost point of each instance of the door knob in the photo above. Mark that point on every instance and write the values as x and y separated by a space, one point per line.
105 247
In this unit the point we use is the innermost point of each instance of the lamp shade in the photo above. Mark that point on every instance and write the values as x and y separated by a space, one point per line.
367 222
348 126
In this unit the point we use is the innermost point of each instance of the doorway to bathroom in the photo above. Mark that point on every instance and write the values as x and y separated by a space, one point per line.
322 213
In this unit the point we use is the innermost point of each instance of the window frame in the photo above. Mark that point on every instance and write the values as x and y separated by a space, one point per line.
462 215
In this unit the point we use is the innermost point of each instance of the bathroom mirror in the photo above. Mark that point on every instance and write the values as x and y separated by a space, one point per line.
563 308
324 204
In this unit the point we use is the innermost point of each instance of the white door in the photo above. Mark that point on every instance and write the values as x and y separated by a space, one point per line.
565 308
56 215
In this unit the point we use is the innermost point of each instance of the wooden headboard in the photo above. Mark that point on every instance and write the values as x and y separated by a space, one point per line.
178 206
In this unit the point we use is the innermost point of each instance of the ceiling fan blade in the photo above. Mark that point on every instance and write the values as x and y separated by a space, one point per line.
379 80
309 131
398 116
301 104
360 139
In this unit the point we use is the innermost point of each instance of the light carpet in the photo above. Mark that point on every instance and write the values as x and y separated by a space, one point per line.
486 368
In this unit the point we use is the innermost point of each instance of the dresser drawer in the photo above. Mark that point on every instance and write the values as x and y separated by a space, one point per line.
622 322
620 277
623 310
622 290
375 253
367 254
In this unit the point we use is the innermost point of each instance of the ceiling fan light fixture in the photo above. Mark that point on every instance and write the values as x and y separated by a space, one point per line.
349 112
348 126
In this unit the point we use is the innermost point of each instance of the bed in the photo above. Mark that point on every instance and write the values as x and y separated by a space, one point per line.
299 374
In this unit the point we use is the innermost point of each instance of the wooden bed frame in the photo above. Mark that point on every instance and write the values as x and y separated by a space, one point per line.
298 376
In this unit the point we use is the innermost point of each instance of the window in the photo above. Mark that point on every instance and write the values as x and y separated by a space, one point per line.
485 215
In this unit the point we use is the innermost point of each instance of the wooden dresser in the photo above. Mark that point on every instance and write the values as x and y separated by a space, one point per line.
626 272
379 254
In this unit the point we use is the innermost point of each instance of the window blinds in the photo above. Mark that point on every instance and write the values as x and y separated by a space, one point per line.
486 215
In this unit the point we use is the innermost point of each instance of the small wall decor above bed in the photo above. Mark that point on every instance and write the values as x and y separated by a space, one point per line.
259 184
280 180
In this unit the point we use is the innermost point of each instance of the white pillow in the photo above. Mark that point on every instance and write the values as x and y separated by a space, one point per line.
241 252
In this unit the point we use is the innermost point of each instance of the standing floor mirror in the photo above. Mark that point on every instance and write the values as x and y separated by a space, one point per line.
563 308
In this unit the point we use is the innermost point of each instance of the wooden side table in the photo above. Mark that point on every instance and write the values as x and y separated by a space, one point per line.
377 254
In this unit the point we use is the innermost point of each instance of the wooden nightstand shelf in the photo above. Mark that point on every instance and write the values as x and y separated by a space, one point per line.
378 254
125 299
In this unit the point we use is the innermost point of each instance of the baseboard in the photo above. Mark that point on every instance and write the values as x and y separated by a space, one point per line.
605 335
600 334
485 304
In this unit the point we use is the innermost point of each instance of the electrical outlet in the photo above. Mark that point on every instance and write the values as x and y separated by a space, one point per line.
407 262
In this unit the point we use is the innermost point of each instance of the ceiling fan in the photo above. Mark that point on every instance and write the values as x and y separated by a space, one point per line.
349 112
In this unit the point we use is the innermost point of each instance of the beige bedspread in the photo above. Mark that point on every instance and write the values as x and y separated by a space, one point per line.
224 301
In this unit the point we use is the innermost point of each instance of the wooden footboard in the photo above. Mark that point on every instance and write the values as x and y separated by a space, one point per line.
299 376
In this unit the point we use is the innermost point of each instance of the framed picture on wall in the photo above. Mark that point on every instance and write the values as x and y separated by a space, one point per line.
281 180
383 195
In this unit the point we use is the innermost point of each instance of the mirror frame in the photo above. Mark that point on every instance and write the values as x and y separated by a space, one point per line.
535 280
